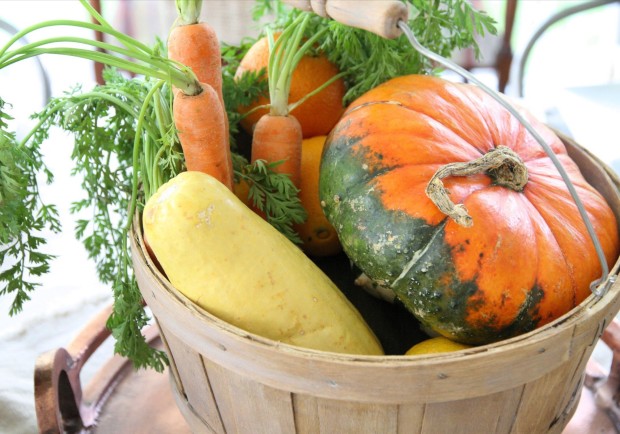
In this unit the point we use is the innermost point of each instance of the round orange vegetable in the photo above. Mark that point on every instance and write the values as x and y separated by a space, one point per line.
317 234
513 253
319 113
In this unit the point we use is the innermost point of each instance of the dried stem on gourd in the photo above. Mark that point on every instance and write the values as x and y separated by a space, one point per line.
502 164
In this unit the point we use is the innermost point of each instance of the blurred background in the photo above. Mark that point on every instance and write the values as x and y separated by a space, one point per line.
570 78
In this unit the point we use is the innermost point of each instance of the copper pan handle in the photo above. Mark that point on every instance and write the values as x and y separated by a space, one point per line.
57 385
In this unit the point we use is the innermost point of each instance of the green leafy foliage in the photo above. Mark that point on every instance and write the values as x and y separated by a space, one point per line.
241 90
274 194
369 60
264 7
23 216
127 320
103 123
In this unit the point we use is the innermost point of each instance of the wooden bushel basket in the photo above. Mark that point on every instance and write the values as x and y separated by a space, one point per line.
226 380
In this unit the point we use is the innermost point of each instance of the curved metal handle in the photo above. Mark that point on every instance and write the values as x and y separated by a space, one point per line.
601 285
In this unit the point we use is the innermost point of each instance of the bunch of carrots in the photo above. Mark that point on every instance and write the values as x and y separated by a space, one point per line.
195 116
200 119
194 70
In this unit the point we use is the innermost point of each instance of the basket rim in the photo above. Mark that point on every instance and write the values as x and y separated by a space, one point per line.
567 319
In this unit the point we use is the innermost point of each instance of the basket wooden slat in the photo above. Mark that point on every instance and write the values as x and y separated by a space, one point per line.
266 409
229 381
188 364
543 401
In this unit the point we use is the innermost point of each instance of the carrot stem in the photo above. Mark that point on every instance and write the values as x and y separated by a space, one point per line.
254 109
184 79
273 66
164 122
155 66
103 45
136 154
309 42
127 40
300 101
281 68
188 11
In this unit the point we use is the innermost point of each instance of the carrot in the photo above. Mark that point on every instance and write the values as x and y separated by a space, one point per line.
196 45
277 136
203 131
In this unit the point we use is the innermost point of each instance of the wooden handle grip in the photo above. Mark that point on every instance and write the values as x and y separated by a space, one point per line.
377 16
304 5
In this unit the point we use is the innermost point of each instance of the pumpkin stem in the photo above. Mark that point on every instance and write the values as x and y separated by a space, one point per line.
502 164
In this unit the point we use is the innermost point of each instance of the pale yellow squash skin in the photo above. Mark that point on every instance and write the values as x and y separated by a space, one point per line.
235 265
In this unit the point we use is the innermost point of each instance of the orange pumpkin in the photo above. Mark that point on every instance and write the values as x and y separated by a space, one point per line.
525 260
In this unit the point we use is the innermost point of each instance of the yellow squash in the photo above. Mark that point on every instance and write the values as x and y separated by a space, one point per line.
232 263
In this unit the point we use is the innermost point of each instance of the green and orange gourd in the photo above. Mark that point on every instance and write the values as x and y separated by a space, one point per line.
513 254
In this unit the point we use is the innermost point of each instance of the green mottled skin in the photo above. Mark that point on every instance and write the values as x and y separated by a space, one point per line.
382 243
354 215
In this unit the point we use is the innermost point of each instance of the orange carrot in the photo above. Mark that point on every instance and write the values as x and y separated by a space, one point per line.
195 45
201 129
279 138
